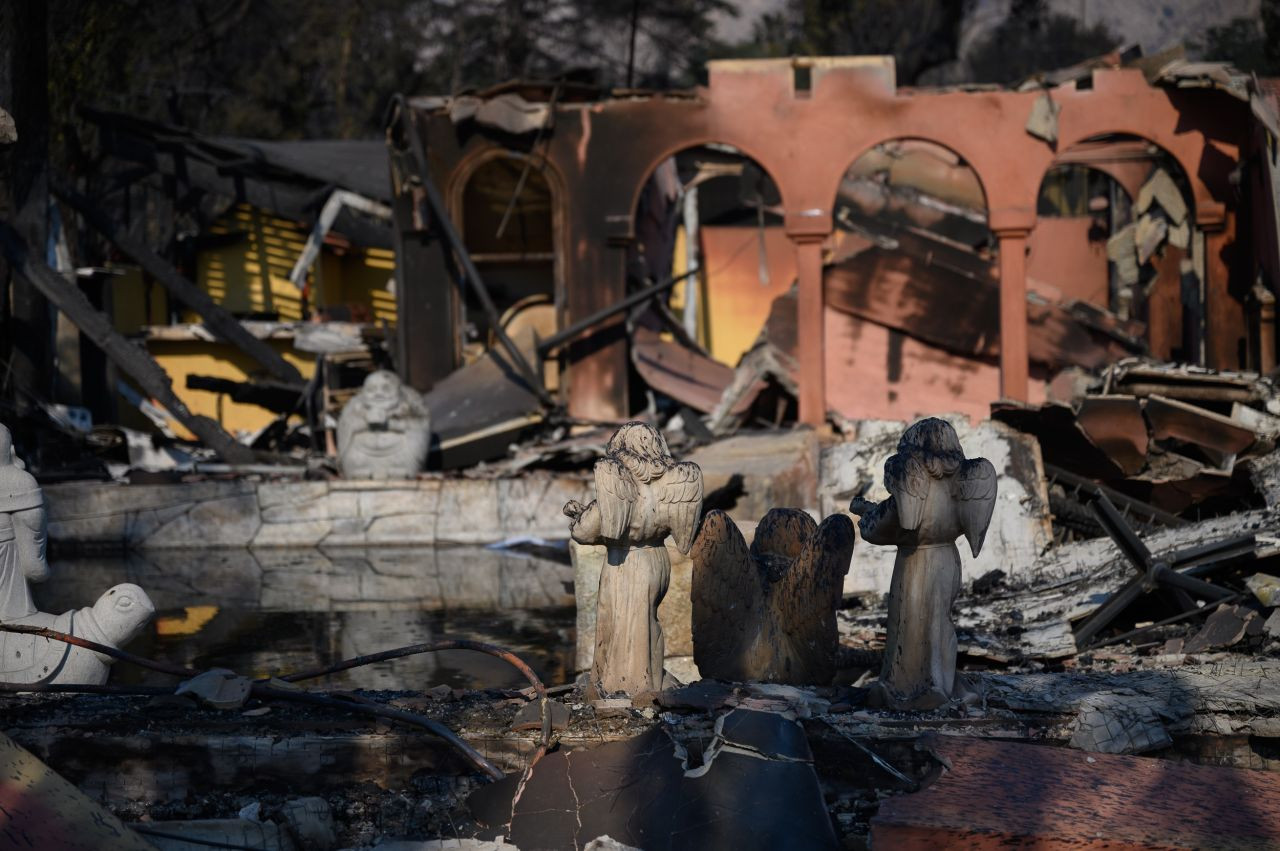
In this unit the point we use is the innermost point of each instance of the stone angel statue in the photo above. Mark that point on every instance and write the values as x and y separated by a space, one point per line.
642 496
936 495
767 613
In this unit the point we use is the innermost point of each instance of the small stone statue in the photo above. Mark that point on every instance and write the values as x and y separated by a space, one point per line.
23 533
642 495
935 495
117 617
768 613
384 432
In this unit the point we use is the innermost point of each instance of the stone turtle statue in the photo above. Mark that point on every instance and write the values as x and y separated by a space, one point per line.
117 617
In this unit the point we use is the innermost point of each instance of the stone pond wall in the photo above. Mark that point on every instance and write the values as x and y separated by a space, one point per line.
241 513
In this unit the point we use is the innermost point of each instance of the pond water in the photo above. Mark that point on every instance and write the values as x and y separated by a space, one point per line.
266 612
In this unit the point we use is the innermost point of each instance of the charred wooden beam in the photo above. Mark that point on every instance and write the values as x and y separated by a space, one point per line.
133 359
275 396
216 318
439 214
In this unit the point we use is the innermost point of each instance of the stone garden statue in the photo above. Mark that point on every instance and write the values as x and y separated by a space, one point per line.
768 613
936 495
22 533
384 432
642 496
115 619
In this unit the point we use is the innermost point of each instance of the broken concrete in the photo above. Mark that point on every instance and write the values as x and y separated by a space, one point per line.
755 788
259 514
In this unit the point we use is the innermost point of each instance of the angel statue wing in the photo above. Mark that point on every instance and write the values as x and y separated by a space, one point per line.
906 479
727 595
804 599
974 491
616 496
679 492
780 536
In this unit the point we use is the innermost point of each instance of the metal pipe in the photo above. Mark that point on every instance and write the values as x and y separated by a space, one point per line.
560 338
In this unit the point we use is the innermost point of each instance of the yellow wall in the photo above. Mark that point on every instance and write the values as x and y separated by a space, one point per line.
251 275
129 301
220 360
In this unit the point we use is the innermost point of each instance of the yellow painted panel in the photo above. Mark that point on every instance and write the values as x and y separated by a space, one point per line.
219 360
252 275
738 301
129 301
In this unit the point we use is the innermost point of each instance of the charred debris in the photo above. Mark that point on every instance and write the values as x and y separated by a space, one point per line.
1074 283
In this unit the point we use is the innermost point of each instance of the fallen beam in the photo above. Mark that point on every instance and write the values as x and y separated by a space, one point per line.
216 318
136 361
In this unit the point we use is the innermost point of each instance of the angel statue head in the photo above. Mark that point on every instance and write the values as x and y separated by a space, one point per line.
642 449
935 443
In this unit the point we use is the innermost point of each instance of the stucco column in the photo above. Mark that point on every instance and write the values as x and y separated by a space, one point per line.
1225 322
811 352
1014 366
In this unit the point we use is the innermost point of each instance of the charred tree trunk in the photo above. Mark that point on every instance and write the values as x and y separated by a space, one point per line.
25 315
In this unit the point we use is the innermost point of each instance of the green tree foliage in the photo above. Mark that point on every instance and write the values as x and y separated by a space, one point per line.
312 68
1250 44
1034 39
919 34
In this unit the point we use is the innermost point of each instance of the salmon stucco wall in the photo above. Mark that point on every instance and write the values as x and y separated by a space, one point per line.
874 372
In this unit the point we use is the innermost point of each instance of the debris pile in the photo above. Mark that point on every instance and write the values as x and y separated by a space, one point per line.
1165 442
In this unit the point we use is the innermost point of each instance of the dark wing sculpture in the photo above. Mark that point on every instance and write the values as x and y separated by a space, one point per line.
974 491
804 599
728 597
616 496
679 492
906 479
780 537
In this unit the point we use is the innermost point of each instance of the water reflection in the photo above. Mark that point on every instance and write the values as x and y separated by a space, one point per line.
272 611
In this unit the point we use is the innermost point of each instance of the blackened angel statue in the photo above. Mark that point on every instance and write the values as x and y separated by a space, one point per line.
642 496
767 613
935 496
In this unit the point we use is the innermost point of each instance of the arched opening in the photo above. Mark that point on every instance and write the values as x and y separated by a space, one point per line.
911 288
711 218
713 211
1115 230
508 220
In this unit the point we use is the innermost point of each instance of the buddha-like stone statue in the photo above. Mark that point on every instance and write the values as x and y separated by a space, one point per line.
642 496
935 496
384 432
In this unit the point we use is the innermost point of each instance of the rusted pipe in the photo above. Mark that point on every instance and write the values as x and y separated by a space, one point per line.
105 649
